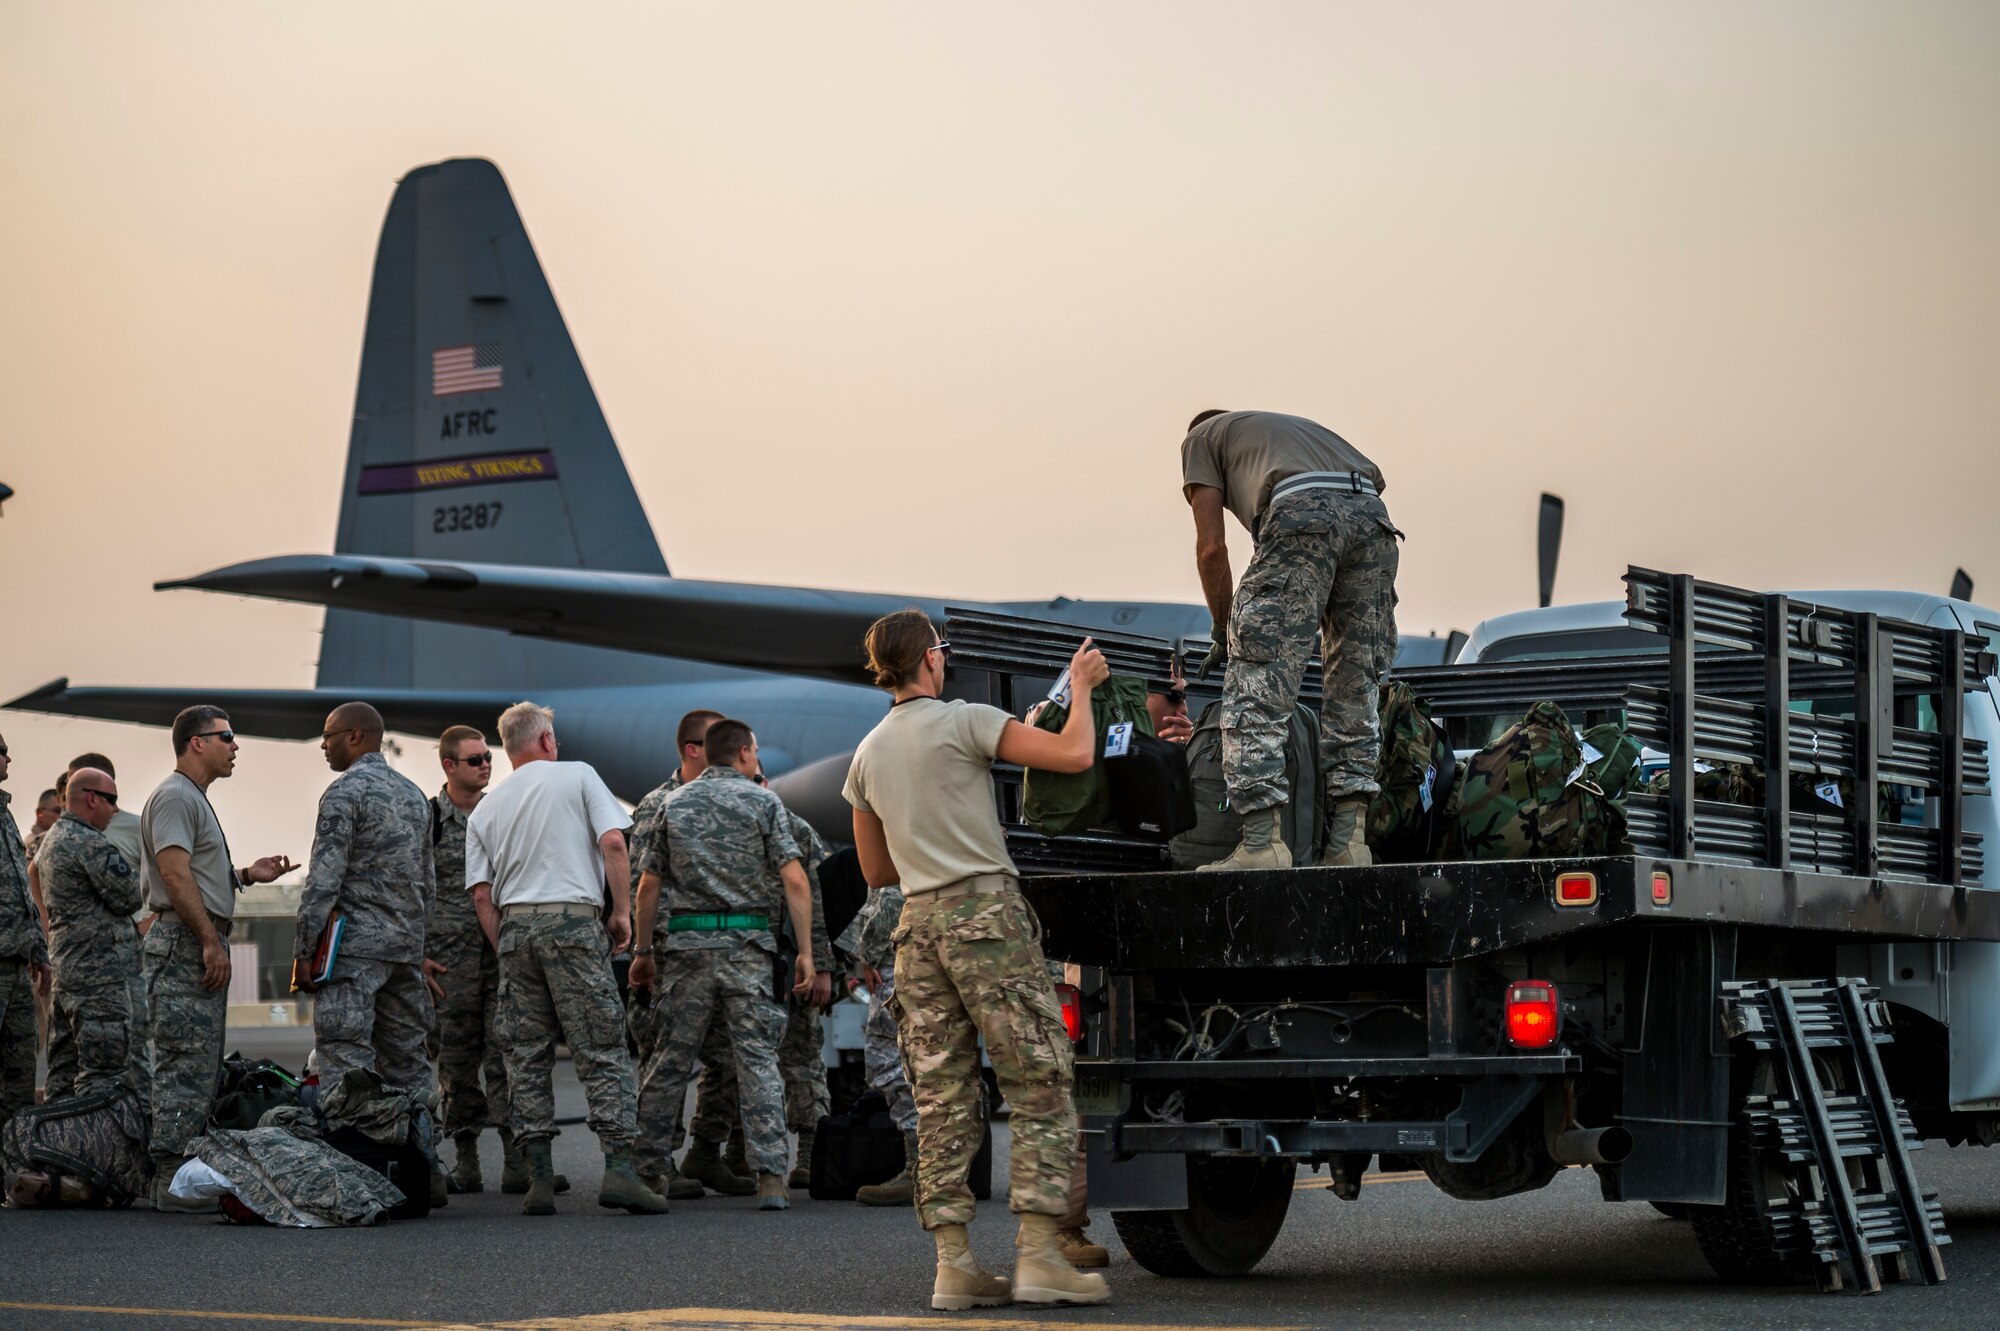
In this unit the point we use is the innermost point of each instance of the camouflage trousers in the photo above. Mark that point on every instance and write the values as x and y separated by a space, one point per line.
716 1106
968 967
556 982
881 1060
17 1038
728 988
185 1023
374 1015
1325 563
467 1044
97 1038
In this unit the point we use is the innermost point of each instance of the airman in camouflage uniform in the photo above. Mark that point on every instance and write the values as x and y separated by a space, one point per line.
724 863
467 1040
24 962
1325 562
91 892
372 864
717 1108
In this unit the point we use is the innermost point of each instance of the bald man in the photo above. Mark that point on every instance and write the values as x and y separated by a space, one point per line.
372 868
90 891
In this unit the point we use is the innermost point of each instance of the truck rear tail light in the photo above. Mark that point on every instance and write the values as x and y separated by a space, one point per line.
1071 999
1576 889
1534 1014
1663 888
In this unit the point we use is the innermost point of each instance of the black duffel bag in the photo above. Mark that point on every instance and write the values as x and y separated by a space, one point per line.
862 1147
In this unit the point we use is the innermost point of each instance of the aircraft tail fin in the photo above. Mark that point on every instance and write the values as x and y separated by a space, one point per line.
476 434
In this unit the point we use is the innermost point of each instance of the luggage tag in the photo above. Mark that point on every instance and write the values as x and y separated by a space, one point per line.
1590 753
1059 695
1830 792
1118 740
1424 791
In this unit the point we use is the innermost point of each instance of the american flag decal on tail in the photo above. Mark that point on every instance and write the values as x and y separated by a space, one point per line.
474 368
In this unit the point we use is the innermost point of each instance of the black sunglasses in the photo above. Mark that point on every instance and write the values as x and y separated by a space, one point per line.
110 799
226 736
476 759
3 750
1175 697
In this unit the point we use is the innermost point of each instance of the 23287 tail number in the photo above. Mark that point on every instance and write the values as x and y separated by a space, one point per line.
466 517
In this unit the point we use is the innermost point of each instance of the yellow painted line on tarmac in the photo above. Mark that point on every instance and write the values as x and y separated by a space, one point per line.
733 1319
656 1319
297 1318
1406 1176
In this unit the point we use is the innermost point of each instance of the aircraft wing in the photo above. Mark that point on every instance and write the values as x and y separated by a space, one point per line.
265 713
797 630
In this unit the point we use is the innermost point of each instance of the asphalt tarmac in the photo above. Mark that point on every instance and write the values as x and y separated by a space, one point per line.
1403 1255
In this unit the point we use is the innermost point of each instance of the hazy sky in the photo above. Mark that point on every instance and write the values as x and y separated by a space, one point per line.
919 297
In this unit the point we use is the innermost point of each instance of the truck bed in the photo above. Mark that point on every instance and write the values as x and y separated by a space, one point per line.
1436 914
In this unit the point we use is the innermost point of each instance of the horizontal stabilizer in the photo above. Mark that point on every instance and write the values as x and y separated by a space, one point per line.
267 713
798 630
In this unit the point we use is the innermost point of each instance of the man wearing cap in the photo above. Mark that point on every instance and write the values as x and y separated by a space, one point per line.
1325 561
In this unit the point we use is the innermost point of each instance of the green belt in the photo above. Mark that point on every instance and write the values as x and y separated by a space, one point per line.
706 924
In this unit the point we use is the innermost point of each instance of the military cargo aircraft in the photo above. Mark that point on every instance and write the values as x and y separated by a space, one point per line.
491 546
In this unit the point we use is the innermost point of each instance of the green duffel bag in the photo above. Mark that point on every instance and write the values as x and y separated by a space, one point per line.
1612 757
1065 803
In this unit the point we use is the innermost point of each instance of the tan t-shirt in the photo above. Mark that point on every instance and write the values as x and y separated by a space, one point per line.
927 772
1245 453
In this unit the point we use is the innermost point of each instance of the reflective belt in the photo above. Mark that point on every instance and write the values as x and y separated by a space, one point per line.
708 924
1352 482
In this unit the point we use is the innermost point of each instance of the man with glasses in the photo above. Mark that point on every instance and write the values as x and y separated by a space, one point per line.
191 885
24 963
371 870
90 891
468 1047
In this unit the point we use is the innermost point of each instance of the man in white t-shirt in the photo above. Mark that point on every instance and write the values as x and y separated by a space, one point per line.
540 851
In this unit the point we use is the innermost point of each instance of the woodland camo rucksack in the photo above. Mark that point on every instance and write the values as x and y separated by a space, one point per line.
1528 795
1416 769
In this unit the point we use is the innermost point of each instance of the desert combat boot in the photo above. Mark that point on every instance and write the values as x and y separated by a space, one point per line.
1261 846
622 1190
464 1176
802 1172
1042 1274
1347 833
961 1282
900 1190
703 1164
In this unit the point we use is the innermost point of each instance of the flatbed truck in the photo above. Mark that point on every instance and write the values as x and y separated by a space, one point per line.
1749 1021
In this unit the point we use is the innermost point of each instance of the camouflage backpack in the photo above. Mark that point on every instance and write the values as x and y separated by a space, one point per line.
1718 783
1405 818
1528 795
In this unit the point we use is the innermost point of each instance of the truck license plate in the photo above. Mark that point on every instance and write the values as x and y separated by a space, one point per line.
1096 1093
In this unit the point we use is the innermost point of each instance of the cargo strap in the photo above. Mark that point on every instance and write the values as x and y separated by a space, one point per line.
1351 482
711 923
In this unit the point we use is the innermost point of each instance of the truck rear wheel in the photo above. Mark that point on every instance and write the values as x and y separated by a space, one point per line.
1236 1206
